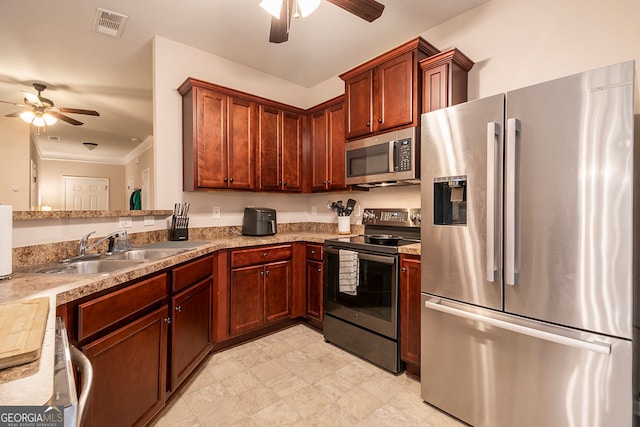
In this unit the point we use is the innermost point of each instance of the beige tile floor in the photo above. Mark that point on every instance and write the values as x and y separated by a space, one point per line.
294 378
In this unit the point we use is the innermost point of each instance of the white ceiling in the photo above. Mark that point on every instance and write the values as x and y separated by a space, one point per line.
51 42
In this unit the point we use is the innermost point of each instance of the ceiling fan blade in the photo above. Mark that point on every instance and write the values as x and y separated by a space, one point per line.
280 26
32 99
16 114
13 103
78 111
65 118
369 10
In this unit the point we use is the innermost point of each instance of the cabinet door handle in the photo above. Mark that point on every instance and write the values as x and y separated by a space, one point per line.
324 182
279 182
225 179
313 252
179 308
268 272
231 180
379 120
167 320
404 269
319 270
328 182
285 183
264 254
262 273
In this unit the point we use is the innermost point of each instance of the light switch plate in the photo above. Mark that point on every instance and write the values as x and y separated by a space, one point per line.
314 210
149 220
215 214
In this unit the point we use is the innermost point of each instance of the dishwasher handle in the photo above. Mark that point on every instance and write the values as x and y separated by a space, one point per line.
597 347
86 375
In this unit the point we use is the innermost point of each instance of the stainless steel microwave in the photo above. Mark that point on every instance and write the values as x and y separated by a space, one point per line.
388 159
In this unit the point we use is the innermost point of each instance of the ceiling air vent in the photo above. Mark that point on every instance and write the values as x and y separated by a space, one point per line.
109 23
54 138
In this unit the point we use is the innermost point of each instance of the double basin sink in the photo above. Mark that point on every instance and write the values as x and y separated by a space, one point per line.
106 264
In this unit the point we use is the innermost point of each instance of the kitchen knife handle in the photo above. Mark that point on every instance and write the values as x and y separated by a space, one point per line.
594 346
493 135
510 220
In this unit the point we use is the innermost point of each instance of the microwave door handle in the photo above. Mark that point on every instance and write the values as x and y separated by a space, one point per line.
392 155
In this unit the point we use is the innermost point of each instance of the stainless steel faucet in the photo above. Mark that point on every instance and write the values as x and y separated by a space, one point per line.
120 234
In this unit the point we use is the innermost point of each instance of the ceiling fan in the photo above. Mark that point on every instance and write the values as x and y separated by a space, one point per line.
283 10
41 111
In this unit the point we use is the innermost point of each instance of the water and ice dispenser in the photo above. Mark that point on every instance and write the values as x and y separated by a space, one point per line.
450 200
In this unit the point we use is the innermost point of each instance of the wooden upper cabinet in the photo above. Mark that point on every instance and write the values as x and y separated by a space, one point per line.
444 80
327 139
291 151
218 140
318 150
383 93
359 94
269 148
280 150
240 144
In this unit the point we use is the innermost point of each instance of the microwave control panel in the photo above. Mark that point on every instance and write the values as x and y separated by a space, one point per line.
403 155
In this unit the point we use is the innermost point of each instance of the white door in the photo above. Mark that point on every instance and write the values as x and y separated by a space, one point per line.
82 193
33 198
146 189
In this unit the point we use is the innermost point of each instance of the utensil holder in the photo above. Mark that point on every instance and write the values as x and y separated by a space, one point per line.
344 225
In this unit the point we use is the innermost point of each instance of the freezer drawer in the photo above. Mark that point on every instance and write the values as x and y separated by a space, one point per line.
492 369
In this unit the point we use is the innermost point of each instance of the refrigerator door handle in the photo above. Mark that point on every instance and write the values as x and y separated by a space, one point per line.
510 226
493 133
594 346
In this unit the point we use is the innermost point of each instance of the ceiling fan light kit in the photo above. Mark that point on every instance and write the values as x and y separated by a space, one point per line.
42 111
283 10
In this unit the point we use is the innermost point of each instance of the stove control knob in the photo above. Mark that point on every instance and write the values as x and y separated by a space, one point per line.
367 216
416 218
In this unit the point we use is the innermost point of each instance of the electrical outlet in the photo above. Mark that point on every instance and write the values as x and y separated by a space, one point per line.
125 222
314 210
215 214
356 211
149 220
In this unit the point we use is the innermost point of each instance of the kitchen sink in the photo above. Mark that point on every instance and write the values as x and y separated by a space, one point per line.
96 266
145 254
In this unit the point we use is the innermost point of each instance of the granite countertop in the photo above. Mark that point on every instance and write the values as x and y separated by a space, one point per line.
32 383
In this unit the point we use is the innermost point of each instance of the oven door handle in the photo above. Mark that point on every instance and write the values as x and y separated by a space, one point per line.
365 256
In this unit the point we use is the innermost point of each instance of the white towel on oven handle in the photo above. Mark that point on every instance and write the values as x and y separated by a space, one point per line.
348 272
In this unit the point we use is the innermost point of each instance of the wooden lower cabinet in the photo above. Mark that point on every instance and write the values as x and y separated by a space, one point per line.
129 368
410 312
191 326
315 281
259 294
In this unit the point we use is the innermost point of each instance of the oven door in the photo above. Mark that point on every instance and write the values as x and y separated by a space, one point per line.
374 305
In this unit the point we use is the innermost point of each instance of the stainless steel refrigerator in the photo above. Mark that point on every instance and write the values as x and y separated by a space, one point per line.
527 254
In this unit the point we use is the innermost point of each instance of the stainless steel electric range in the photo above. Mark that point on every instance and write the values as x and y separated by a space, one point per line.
362 276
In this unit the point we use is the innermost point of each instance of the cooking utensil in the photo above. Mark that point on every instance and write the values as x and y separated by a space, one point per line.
334 206
340 208
384 239
350 205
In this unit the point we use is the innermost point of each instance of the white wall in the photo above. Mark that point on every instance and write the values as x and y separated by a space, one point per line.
14 174
514 43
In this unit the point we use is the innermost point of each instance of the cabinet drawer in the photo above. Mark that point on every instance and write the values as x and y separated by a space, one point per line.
314 252
242 257
191 273
107 310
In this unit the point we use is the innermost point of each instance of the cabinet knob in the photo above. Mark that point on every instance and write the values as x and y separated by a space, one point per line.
368 124
179 308
268 272
225 179
279 182
262 273
379 120
313 251
404 269
324 182
319 270
167 320
264 254
285 183
328 182
231 180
